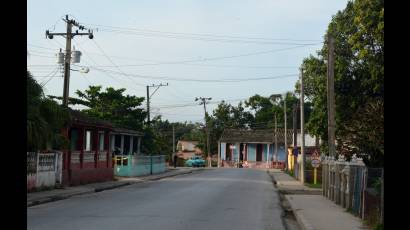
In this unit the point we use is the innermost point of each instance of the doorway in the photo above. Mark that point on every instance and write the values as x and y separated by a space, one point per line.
259 151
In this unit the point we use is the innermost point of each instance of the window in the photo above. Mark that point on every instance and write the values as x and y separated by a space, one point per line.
74 139
126 144
117 143
102 141
88 144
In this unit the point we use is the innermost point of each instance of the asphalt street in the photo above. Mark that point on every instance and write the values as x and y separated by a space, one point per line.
210 199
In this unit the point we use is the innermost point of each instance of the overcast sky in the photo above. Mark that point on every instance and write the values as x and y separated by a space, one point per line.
183 43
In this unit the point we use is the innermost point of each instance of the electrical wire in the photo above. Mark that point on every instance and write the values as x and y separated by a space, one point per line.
190 61
107 74
200 34
228 80
145 34
109 59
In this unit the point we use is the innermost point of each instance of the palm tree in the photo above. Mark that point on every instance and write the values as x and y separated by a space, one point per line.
45 118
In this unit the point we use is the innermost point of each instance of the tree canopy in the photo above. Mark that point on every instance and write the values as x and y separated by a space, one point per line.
358 31
45 119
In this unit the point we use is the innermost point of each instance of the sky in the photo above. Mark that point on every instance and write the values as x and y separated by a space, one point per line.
227 50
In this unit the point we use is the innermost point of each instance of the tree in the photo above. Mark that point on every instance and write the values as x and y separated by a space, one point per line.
112 105
358 31
45 118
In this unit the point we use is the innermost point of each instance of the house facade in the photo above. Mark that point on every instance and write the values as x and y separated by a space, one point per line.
125 141
253 148
88 158
188 149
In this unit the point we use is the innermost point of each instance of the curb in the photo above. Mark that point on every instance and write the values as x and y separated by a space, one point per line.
56 198
100 189
303 223
113 186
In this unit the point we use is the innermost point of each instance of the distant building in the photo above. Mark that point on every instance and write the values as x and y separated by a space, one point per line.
256 148
188 149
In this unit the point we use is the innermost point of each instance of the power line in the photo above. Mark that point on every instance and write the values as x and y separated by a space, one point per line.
224 40
227 80
201 34
107 74
44 83
222 57
202 59
112 62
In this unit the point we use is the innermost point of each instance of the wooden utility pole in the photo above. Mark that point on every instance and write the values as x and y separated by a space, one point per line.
286 132
148 113
302 130
148 102
331 97
295 139
204 102
68 35
67 64
173 139
276 141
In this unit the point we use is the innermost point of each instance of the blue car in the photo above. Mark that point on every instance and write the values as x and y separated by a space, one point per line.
195 161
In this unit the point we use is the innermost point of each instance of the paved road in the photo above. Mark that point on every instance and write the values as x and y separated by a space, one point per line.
210 199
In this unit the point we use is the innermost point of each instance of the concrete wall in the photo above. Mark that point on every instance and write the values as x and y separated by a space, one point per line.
45 170
140 166
223 151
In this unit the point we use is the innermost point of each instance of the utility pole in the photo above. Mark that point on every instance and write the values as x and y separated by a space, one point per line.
148 96
302 130
173 141
148 113
276 141
204 102
286 132
331 96
295 139
148 117
68 35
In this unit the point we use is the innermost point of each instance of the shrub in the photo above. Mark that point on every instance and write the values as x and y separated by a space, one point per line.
180 162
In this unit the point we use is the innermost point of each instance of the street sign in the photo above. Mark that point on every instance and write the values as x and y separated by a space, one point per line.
315 163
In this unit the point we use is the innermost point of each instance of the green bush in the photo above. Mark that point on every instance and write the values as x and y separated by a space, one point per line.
379 227
214 163
180 162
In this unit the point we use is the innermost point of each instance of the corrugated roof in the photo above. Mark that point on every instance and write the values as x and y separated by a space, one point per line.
125 131
81 118
256 135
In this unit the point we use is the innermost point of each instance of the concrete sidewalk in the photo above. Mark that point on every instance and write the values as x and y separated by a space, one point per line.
36 198
311 209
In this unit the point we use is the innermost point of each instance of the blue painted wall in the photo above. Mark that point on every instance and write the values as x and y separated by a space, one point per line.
251 152
236 152
223 151
265 152
281 152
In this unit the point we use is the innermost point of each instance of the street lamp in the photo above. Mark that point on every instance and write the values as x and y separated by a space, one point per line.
82 70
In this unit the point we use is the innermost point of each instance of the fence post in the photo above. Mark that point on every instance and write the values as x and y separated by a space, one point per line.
38 166
382 199
364 182
324 176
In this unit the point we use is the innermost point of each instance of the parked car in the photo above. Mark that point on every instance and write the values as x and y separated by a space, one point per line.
195 161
